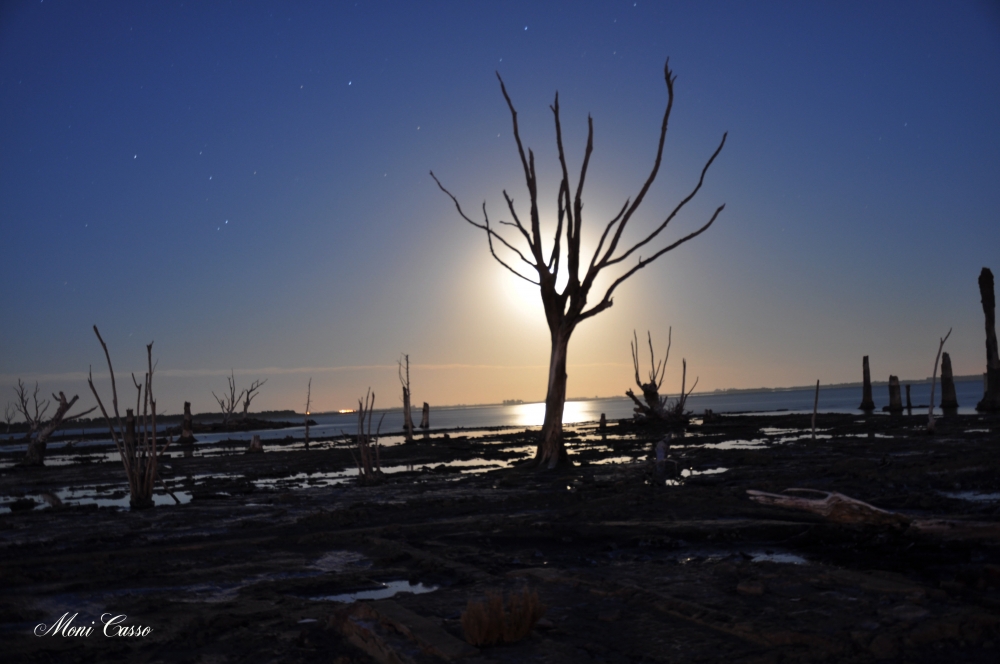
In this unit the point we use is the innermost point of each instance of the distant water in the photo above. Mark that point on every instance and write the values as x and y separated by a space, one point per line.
831 400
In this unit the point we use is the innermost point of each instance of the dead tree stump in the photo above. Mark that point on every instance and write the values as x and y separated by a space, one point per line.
425 417
949 399
187 430
991 398
909 404
866 396
255 445
895 401
604 423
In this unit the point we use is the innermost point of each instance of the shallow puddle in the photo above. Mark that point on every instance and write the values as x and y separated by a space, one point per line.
388 589
973 496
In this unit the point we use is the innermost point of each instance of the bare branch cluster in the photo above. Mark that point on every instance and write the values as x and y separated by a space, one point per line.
251 392
658 407
138 448
228 402
34 416
543 267
32 409
369 464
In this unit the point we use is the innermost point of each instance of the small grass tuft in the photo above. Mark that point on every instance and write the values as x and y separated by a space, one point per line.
491 621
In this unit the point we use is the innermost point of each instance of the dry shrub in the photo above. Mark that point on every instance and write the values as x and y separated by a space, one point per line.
490 621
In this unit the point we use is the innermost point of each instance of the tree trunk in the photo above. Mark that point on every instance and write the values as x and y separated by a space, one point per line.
187 429
949 398
991 397
866 398
895 400
551 451
407 418
909 404
425 417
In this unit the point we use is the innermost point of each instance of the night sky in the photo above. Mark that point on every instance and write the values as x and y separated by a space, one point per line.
247 184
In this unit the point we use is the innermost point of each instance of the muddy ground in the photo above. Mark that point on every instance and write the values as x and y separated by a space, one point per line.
630 566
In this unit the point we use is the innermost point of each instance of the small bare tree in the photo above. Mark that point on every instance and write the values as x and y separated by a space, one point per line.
34 415
566 309
36 447
369 464
249 393
658 407
228 402
9 412
139 450
651 390
405 381
32 409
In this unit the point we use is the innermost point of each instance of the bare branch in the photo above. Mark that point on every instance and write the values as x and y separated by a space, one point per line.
611 261
490 234
606 300
249 394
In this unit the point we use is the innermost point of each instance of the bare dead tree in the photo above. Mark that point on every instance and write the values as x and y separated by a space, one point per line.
32 409
658 408
566 309
36 446
650 390
249 393
228 402
405 381
139 450
9 412
368 461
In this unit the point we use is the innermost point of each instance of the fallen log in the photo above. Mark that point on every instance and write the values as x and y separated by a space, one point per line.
843 509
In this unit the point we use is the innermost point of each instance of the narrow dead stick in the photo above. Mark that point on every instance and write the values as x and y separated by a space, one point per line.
930 408
815 407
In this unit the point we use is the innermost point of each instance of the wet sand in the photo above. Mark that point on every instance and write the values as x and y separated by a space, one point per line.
632 567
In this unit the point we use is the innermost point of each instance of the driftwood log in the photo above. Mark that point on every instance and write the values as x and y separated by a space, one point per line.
866 395
843 509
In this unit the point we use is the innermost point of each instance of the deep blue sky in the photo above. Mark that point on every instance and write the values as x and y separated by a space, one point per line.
247 184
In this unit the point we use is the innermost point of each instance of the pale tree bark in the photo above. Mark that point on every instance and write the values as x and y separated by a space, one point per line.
140 451
541 265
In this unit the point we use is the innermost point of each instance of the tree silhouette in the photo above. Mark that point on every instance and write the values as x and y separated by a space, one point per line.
566 309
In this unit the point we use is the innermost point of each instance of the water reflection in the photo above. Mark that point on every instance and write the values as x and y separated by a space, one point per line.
574 412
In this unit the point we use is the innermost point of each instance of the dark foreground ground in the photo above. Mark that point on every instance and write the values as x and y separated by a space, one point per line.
630 568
